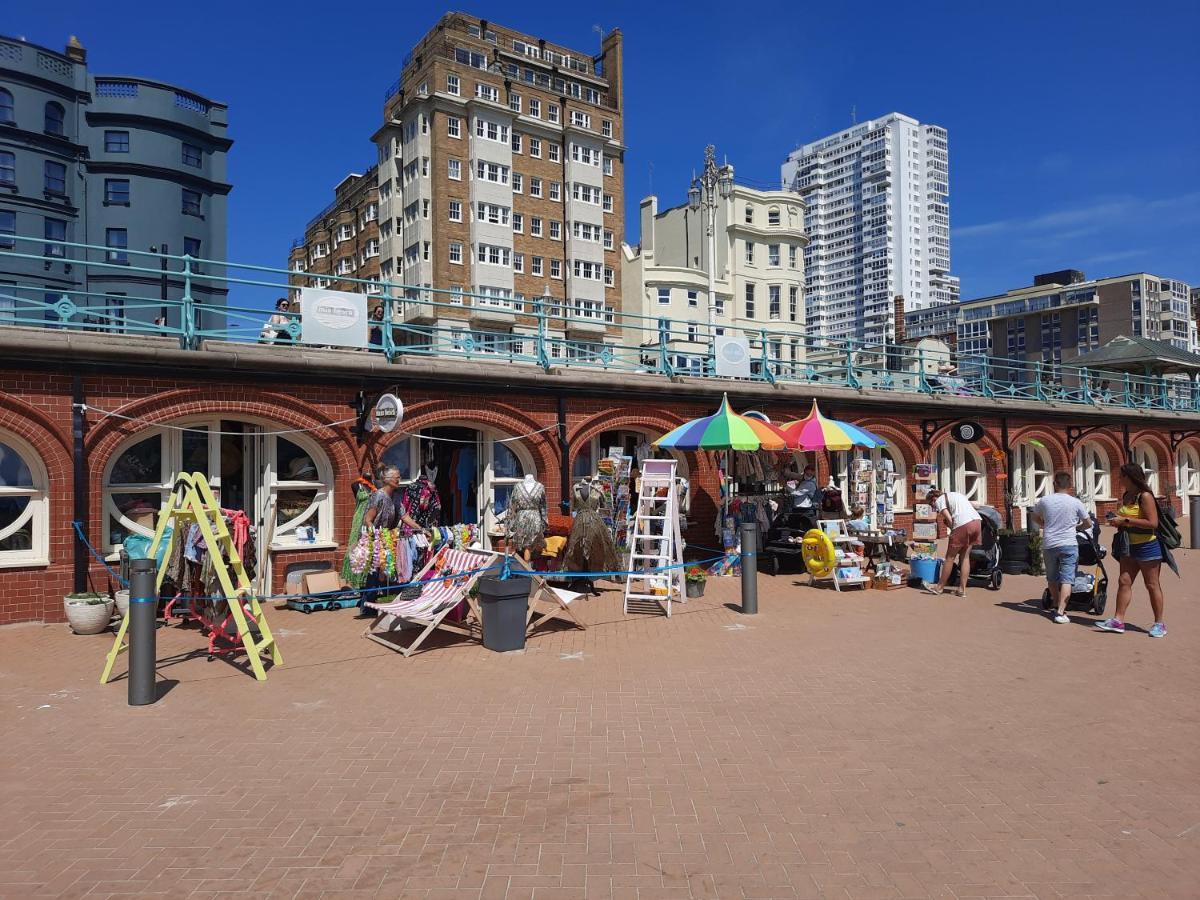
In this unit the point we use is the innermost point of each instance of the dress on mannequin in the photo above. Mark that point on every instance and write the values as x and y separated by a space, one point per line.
590 547
527 517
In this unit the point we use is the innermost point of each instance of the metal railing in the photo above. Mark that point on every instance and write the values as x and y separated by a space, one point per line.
190 300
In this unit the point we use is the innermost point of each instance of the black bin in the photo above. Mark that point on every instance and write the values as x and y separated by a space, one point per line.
505 606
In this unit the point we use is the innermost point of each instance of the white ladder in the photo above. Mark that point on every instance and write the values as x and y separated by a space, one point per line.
654 540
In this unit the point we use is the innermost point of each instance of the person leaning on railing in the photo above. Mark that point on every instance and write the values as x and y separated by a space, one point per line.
274 331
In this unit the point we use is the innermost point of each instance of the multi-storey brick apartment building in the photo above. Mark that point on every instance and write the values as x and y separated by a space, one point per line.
342 240
501 174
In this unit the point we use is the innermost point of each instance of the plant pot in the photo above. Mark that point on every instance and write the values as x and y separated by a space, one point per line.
694 589
122 602
88 617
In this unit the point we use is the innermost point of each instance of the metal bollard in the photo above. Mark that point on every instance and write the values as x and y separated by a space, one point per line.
143 620
1194 515
749 569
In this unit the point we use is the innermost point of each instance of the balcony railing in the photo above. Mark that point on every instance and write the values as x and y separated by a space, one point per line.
199 300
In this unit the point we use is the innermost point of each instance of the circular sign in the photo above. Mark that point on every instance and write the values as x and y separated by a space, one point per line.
389 412
336 311
966 432
733 352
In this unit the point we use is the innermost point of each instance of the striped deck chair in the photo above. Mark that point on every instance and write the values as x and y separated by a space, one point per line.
548 602
437 600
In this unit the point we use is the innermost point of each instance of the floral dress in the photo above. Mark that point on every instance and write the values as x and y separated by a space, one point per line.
422 503
527 518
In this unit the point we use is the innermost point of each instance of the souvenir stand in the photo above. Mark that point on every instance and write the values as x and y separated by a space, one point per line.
613 473
924 543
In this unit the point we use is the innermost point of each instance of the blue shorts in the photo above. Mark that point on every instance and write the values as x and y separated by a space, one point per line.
1150 551
1061 563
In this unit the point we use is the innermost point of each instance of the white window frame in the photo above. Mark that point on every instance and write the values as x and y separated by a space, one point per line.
454 210
1187 471
1147 457
454 169
962 469
454 127
37 509
453 84
1033 475
455 253
1093 474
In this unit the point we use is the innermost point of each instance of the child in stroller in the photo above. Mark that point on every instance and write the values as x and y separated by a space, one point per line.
985 558
1090 591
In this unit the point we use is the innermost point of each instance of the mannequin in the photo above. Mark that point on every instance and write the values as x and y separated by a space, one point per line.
527 518
590 546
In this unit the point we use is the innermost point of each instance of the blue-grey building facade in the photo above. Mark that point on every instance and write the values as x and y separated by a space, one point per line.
122 162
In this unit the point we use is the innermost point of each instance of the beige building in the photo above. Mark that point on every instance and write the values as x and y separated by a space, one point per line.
758 278
501 175
342 241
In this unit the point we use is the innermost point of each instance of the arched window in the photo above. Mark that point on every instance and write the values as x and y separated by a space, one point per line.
55 118
1032 475
960 468
1188 475
24 504
633 442
1144 456
7 116
845 460
1093 474
249 468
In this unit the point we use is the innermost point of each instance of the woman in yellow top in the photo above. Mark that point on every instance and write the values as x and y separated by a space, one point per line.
1138 517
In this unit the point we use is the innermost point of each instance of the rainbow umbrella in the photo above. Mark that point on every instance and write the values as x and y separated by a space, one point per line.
815 432
724 430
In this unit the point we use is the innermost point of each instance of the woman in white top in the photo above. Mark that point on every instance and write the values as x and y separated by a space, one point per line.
966 531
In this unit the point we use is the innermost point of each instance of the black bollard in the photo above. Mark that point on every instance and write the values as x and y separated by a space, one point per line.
749 568
143 619
1194 515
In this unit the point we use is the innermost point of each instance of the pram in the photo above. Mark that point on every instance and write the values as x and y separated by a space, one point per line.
1090 591
985 558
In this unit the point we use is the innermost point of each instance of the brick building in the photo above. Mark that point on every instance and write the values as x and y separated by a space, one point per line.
270 425
342 241
501 174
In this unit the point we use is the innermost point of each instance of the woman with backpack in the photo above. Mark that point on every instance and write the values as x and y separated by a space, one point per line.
1138 548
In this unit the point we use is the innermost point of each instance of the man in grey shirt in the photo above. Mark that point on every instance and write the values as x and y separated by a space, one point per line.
1061 517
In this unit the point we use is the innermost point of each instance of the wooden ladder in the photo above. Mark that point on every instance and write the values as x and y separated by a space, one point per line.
655 542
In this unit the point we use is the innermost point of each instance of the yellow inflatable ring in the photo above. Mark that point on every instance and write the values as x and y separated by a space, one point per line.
817 550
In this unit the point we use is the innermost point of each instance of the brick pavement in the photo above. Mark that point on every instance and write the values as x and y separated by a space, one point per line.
866 745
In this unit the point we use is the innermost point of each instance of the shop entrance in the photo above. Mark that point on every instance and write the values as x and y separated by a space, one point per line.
456 454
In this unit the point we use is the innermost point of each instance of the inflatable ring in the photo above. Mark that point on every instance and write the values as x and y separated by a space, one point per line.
817 550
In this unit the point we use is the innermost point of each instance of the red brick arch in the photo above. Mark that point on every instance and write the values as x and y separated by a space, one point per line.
655 421
1054 442
897 436
49 439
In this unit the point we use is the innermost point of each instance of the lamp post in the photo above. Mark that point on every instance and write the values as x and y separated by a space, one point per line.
714 184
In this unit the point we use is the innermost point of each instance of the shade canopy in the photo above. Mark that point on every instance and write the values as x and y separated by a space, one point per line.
815 432
1141 356
724 430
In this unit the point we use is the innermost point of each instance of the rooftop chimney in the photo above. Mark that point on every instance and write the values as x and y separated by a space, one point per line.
901 331
76 51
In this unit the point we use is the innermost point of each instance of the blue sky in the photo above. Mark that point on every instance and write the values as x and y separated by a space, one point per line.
1074 127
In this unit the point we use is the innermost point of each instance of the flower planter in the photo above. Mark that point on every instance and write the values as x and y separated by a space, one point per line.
122 601
88 615
694 589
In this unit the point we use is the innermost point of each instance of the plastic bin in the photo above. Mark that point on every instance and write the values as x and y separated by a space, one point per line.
926 570
504 604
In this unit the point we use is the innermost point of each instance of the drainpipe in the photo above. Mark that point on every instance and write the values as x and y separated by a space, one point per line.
1004 447
564 461
81 485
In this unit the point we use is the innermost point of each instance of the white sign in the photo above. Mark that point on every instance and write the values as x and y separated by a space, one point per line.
388 413
733 357
333 318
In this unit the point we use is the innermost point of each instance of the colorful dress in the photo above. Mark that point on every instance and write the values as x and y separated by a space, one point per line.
422 503
527 519
590 547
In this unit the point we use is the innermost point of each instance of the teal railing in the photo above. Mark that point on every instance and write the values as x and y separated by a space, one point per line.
65 285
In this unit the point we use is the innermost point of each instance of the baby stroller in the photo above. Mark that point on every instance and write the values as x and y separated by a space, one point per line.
1090 591
985 558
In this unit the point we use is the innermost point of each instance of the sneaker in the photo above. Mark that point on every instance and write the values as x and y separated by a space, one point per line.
1114 625
1061 619
932 589
1158 629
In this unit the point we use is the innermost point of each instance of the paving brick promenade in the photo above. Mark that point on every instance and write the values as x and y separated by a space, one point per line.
874 745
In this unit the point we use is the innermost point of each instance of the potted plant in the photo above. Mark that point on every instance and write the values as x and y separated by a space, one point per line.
1037 565
1014 551
695 582
88 612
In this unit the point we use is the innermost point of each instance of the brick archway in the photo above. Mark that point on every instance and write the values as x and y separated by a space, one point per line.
48 439
1055 443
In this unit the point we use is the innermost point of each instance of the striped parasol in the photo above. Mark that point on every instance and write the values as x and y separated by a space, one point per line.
815 432
724 430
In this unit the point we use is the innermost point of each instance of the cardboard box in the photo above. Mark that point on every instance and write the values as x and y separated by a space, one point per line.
322 582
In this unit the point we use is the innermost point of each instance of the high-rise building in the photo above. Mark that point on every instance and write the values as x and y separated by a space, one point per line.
342 240
878 221
501 174
125 163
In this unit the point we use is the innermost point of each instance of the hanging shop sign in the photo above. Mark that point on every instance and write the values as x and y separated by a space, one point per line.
966 432
733 357
388 413
333 318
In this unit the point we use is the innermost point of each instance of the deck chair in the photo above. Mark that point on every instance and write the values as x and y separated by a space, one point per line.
438 598
548 602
